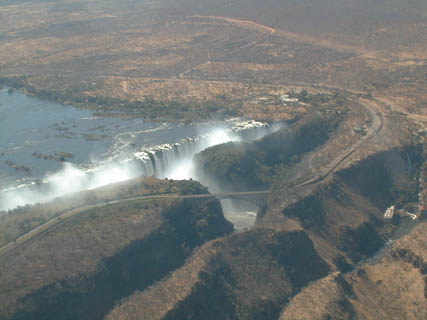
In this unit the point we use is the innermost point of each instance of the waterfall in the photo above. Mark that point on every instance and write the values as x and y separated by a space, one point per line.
173 161
160 160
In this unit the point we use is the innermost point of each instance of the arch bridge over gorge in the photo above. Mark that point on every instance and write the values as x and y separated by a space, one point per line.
257 198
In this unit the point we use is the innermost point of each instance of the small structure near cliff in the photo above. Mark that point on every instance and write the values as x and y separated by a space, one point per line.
389 213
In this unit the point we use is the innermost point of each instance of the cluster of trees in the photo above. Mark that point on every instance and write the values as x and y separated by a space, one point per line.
148 107
189 187
313 99
234 163
17 83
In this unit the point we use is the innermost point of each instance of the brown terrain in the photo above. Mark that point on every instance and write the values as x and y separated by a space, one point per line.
320 247
85 261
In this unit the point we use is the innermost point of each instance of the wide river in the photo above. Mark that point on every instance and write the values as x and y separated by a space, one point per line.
68 149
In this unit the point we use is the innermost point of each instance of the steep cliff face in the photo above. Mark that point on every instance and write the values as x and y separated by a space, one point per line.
311 255
344 214
387 177
82 267
254 165
393 286
304 259
248 275
344 224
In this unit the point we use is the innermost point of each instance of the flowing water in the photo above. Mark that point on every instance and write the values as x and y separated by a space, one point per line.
48 149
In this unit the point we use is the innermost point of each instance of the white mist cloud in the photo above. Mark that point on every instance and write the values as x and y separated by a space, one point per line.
184 168
68 180
219 136
71 178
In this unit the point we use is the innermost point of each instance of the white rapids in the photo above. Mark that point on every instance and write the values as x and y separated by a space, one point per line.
173 161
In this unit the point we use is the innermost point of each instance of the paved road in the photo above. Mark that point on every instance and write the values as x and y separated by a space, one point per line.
75 212
67 215
377 124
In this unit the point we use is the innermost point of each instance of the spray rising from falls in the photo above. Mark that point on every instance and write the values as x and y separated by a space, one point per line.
174 161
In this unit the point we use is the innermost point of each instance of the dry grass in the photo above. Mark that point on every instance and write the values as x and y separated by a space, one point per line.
187 54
